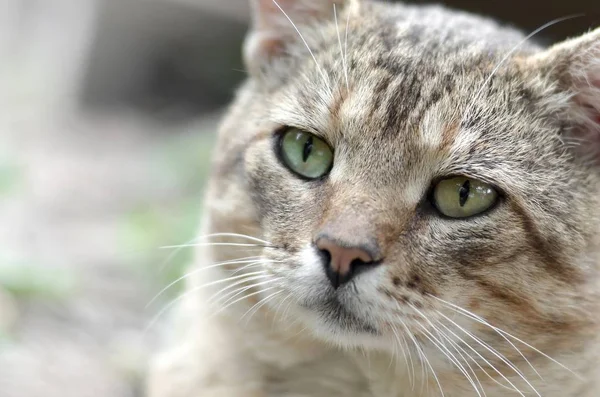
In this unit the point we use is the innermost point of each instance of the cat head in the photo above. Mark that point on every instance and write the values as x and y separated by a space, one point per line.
415 169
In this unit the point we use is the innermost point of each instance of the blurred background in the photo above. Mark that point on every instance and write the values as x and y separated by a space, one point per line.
108 110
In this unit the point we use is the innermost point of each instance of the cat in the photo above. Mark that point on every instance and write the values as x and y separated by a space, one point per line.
405 201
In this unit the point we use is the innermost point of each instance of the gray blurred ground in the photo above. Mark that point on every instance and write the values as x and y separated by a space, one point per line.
108 111
90 203
94 178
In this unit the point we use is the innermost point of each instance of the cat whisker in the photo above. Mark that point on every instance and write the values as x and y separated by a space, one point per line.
346 46
446 352
254 309
411 367
237 291
443 349
365 354
188 294
237 235
573 139
482 321
337 26
321 71
494 352
511 344
422 358
393 356
478 355
481 342
219 264
295 335
177 250
507 56
287 308
241 299
426 360
513 386
422 355
258 263
278 308
231 295
213 244
462 353
172 256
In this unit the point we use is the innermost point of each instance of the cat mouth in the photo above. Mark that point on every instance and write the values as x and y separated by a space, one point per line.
336 316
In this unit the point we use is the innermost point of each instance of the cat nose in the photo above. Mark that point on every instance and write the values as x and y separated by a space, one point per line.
342 261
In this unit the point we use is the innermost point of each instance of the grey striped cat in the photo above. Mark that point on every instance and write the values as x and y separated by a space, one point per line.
405 201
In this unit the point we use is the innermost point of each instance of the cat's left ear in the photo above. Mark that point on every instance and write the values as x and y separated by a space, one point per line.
276 24
575 67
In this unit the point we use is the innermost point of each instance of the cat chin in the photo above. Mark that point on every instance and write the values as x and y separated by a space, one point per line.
351 340
339 327
343 337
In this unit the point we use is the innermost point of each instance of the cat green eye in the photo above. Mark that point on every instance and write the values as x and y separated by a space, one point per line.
461 197
305 154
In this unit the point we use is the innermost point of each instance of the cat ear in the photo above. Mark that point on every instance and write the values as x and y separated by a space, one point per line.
274 24
575 67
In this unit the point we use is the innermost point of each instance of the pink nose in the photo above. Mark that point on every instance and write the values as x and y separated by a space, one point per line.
343 262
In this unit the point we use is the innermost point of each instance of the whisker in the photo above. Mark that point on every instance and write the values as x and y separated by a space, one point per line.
321 71
493 351
346 46
187 294
287 308
411 376
488 347
508 54
456 347
229 296
206 236
276 313
242 298
446 352
393 358
242 288
237 261
172 256
337 26
295 335
422 359
258 305
460 352
482 321
258 263
442 348
215 245
237 235
478 355
365 353
422 355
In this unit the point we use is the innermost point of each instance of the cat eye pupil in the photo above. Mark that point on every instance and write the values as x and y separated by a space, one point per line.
308 146
463 193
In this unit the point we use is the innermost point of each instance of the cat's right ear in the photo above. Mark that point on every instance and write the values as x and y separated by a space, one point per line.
574 67
276 24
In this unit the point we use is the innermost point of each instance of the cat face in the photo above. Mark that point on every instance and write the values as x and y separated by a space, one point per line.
408 165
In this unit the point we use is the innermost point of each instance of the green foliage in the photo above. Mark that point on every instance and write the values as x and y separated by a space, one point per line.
9 177
148 227
27 281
